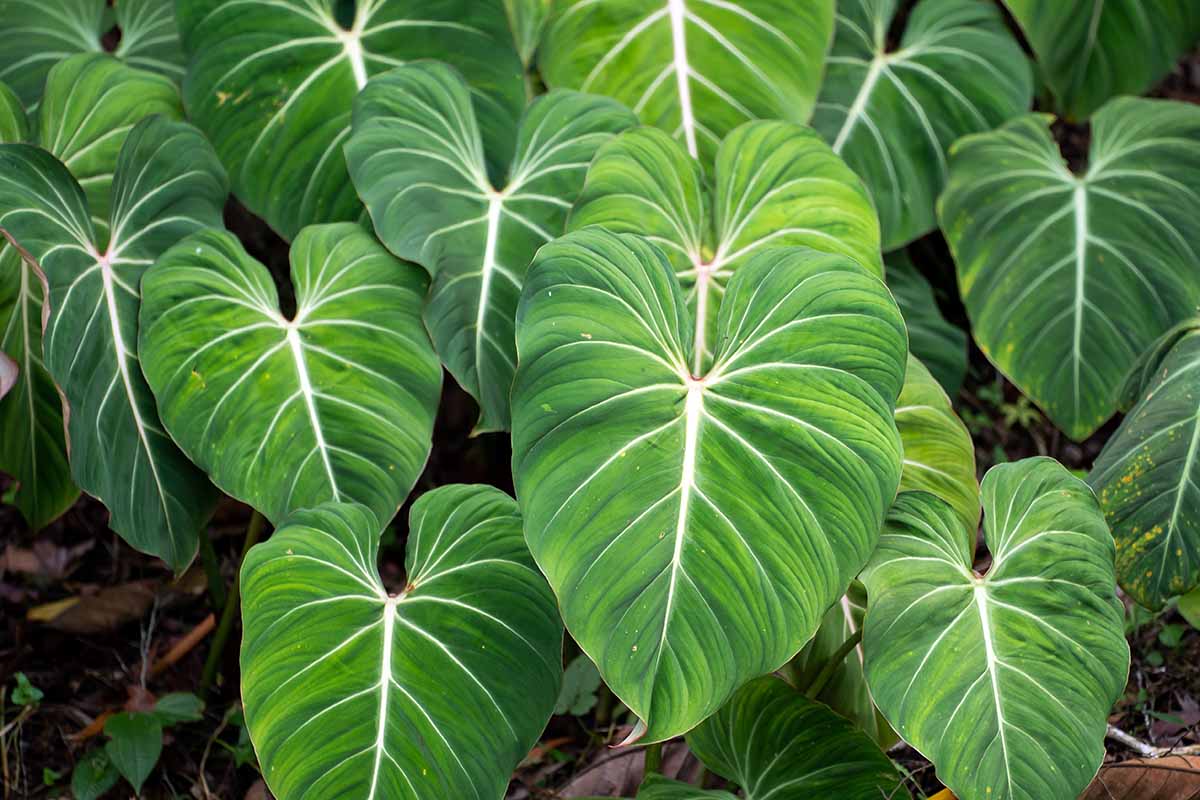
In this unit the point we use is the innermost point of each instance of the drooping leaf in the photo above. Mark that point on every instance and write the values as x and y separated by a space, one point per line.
892 114
90 104
695 68
939 344
40 33
1148 477
1090 51
434 692
336 403
419 162
1068 279
846 691
939 456
272 82
656 787
670 511
167 184
775 743
134 745
774 185
1004 681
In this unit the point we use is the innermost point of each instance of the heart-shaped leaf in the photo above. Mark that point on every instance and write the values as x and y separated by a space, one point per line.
1148 476
671 511
774 742
892 114
419 163
939 456
434 692
167 184
1088 52
40 33
272 81
336 403
695 68
774 185
1004 681
1068 279
90 104
938 343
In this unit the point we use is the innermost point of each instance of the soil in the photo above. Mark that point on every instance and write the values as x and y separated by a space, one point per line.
99 656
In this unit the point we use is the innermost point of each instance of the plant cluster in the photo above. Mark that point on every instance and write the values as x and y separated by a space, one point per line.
661 242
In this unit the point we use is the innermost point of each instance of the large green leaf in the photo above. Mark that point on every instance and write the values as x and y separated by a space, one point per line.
418 161
527 19
40 33
168 183
336 403
656 787
90 105
1089 51
695 68
892 114
272 82
939 456
1068 279
940 344
1148 476
433 692
774 742
671 511
1004 681
774 185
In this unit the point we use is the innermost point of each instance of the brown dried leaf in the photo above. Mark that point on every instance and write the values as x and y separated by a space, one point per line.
98 612
1166 778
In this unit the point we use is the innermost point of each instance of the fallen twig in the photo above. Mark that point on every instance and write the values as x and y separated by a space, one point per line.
185 645
1147 750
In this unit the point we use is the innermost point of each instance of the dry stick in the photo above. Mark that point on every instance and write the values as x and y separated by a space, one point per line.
1147 750
831 666
184 645
253 530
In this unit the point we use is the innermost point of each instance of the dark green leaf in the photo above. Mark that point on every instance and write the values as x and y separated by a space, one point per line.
775 743
1068 279
893 113
93 775
939 344
133 747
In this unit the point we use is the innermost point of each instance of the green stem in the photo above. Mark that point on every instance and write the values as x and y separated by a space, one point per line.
212 569
253 530
831 666
654 758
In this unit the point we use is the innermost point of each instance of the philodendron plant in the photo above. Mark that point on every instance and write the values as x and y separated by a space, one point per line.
660 243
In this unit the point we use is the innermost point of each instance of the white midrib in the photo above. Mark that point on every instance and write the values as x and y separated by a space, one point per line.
859 106
1184 478
985 625
495 206
682 73
693 410
1081 235
385 681
703 276
293 337
122 353
352 44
